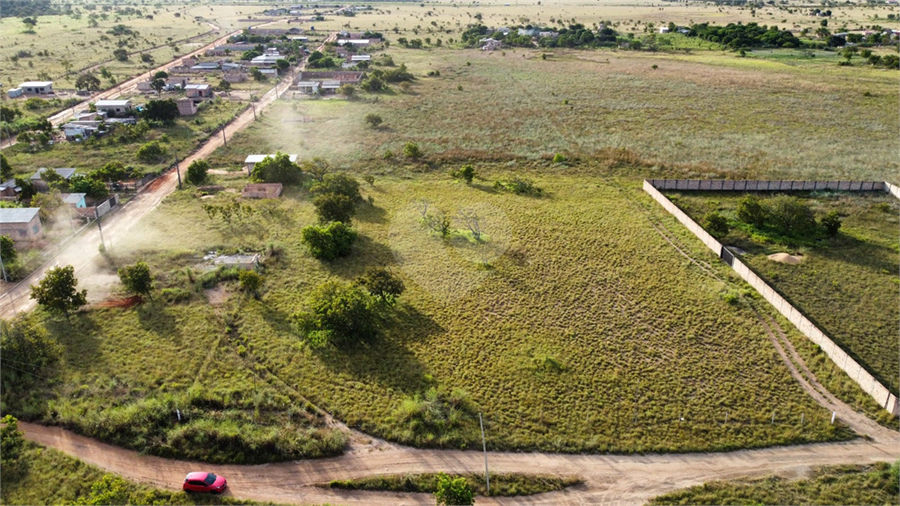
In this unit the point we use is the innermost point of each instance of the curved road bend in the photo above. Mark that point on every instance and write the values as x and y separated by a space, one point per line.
609 479
83 250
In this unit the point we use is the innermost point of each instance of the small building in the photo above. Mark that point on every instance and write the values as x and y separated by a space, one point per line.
9 190
266 60
41 185
76 132
113 107
245 262
356 58
21 224
15 93
199 92
206 66
252 160
75 200
262 191
354 42
37 87
235 77
269 73
186 107
308 87
330 86
490 44
231 67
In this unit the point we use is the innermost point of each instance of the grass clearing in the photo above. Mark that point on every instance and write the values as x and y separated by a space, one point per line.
848 286
847 484
502 485
567 341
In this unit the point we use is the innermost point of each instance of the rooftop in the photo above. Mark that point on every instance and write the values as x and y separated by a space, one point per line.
73 198
197 87
65 173
259 158
18 214
35 84
112 103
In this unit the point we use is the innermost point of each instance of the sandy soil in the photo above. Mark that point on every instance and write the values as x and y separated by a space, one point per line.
786 258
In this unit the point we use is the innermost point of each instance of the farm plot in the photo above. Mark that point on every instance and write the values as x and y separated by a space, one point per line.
848 285
512 104
579 329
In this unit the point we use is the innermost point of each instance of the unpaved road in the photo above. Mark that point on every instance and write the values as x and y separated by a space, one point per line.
609 479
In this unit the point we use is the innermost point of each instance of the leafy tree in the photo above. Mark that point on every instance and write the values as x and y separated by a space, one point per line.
49 203
790 216
381 283
317 168
112 172
25 341
56 291
90 186
373 120
334 207
163 112
162 74
347 90
8 249
137 279
372 84
28 189
29 22
11 442
6 172
146 57
716 224
466 173
158 85
277 169
257 74
88 82
751 210
328 242
411 150
831 222
196 172
453 491
338 314
151 152
121 55
250 282
223 85
339 184
281 64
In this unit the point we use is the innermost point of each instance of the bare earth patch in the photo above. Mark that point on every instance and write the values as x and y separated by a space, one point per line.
125 303
216 296
786 258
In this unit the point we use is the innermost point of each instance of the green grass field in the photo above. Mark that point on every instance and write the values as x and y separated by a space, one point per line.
503 485
869 484
513 104
848 285
586 332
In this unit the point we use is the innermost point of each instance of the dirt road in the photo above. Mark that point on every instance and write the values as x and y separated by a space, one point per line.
83 252
609 479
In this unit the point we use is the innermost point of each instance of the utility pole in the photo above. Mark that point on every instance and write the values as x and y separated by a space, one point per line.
177 171
487 475
2 268
224 140
99 227
254 111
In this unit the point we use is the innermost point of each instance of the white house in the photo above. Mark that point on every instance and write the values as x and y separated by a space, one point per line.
37 87
266 60
252 160
355 42
113 106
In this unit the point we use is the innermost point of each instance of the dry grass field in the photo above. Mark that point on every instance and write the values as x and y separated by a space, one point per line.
705 113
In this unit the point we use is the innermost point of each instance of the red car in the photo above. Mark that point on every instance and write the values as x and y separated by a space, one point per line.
204 482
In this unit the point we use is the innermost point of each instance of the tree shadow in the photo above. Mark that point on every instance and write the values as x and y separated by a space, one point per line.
371 214
366 253
79 337
153 317
861 253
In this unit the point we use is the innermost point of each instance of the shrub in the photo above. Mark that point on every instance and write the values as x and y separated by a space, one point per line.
8 249
381 283
339 184
250 282
411 150
373 120
196 172
137 278
790 216
338 314
716 224
466 173
831 222
334 207
453 491
151 152
752 211
559 158
328 242
279 169
519 186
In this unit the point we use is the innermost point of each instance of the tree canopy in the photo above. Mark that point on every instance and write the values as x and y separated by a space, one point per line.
161 111
137 279
277 169
338 314
57 292
196 172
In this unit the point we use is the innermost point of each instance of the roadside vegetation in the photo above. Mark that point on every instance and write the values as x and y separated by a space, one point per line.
502 485
844 271
847 484
33 474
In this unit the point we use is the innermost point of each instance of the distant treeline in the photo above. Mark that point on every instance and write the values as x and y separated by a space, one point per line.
27 8
576 35
738 36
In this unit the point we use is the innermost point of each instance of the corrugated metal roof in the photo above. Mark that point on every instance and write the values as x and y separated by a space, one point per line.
18 214
35 84
112 103
65 173
73 198
259 158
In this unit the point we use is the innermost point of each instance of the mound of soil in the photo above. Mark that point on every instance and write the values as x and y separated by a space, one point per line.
122 303
786 258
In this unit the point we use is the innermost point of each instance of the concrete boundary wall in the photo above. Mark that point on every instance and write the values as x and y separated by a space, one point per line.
862 377
894 190
767 185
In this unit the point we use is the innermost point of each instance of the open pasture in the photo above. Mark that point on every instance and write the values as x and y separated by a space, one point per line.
443 20
578 329
848 285
75 43
704 113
